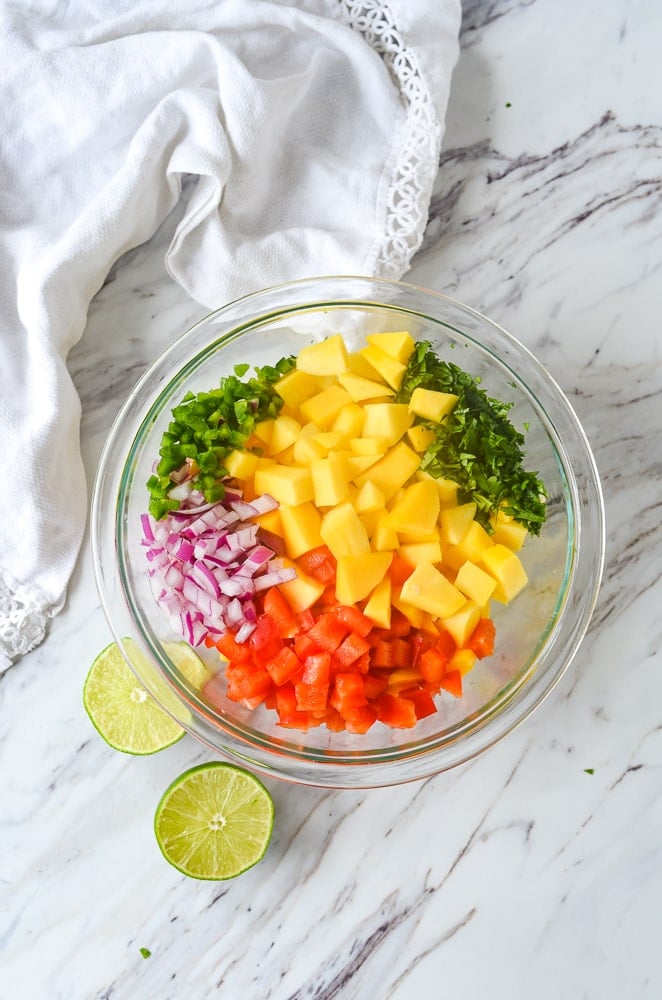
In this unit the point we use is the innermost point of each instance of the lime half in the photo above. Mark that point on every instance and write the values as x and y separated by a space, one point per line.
122 711
214 821
189 664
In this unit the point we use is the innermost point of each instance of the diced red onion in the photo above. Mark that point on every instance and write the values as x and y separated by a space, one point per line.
245 631
273 578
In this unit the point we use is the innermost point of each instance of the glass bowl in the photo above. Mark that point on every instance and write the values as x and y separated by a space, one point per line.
537 635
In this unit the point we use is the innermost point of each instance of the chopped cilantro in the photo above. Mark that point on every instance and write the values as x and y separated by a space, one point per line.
145 952
508 104
476 445
589 770
207 426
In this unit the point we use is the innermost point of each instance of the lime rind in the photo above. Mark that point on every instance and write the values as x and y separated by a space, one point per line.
214 822
122 711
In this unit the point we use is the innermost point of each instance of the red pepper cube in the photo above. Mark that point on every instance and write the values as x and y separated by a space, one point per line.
362 664
351 649
446 644
422 700
305 620
319 563
278 609
311 697
359 720
249 684
417 646
482 638
305 646
288 714
452 682
399 713
348 692
265 641
283 666
334 721
382 654
328 632
400 653
374 685
432 665
233 651
317 668
354 619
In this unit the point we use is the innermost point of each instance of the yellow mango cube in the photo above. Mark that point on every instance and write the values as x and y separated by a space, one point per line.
429 590
370 498
349 422
461 624
475 583
454 522
388 421
343 532
508 531
378 607
446 487
301 592
399 345
430 404
325 406
402 678
301 528
506 568
463 660
241 464
328 357
330 480
384 539
420 437
361 388
285 483
358 365
420 552
370 520
263 430
358 464
417 510
286 431
295 387
358 575
306 450
368 446
390 370
415 616
391 471
271 521
472 546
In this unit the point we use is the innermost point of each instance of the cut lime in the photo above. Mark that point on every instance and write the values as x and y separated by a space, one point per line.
188 663
122 711
214 821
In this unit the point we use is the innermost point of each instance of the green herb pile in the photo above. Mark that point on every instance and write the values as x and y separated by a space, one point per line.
476 445
207 426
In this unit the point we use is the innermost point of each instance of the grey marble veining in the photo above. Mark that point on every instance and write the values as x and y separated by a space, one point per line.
519 874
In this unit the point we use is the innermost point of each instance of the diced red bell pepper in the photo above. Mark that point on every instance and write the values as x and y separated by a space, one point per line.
359 720
432 664
396 712
311 697
305 646
289 715
319 563
399 570
400 653
328 632
482 638
446 644
333 720
348 692
354 619
382 654
265 641
317 669
362 664
305 620
452 682
248 684
350 649
232 650
278 609
283 666
374 685
422 700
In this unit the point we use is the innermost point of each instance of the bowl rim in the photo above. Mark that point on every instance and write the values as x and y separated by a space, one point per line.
369 768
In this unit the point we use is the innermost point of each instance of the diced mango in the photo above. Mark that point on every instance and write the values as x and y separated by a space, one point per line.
399 345
415 616
475 583
369 498
461 624
429 590
263 430
508 531
325 406
286 431
388 368
368 446
301 592
241 464
343 532
359 365
420 437
384 539
420 552
472 546
463 660
506 568
301 528
417 510
358 464
391 471
330 480
358 575
455 521
386 420
295 387
328 357
378 607
271 521
348 423
402 678
361 388
306 450
370 519
430 404
287 484
447 489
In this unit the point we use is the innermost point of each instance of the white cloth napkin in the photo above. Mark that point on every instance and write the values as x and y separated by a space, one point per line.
314 129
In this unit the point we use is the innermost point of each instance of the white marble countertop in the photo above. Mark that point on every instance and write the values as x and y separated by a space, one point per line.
517 875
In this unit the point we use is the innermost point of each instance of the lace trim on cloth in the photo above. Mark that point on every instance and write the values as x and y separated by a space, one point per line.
416 167
23 621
